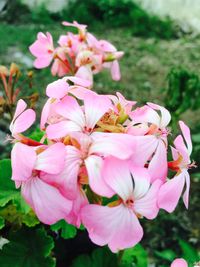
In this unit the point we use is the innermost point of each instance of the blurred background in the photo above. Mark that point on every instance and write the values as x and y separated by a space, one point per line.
161 41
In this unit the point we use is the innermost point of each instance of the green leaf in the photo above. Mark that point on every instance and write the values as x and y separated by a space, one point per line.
167 254
189 253
28 248
135 255
7 187
101 257
67 230
2 222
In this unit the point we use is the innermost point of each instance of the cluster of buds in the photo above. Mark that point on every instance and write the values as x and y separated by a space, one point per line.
12 84
102 162
81 54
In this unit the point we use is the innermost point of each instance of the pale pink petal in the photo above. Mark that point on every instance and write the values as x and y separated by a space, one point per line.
158 165
116 174
115 71
23 121
147 205
95 107
57 89
186 133
141 180
52 159
146 146
182 149
114 144
94 166
74 217
23 160
116 226
45 113
85 72
170 193
106 46
42 62
70 109
47 202
145 114
21 106
165 115
68 179
61 129
187 190
79 81
179 263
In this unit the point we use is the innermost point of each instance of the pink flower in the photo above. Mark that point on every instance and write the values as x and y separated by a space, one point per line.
179 263
28 165
22 120
171 191
43 50
117 224
77 118
152 147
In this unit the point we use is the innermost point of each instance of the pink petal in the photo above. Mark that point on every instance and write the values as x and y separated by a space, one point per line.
115 144
95 107
165 115
182 149
70 109
68 179
85 72
57 89
52 159
186 133
79 81
47 202
115 71
145 114
23 159
117 226
147 205
117 175
179 263
21 106
170 193
187 190
23 121
74 217
158 165
94 166
61 129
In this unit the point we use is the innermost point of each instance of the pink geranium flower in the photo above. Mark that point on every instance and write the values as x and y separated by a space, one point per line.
45 199
117 224
179 263
171 191
43 50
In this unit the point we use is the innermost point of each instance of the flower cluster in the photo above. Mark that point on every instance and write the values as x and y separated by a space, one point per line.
102 162
78 54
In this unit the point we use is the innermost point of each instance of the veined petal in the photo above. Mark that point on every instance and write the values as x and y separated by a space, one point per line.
23 160
158 164
70 109
94 166
52 159
57 89
187 190
95 107
116 226
61 129
147 205
23 121
170 193
47 202
186 134
116 174
165 115
114 144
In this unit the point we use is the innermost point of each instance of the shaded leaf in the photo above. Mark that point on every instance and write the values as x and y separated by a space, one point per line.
135 255
101 257
189 253
28 248
2 222
67 230
167 254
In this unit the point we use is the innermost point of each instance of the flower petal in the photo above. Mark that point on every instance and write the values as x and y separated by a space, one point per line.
47 202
